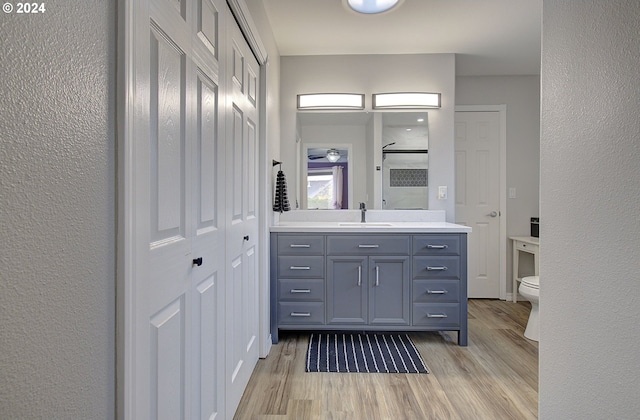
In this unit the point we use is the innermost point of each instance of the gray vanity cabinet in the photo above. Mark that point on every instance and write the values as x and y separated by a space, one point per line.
347 287
389 291
369 281
368 290
439 272
300 286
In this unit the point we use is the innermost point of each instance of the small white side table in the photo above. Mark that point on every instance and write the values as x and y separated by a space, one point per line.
527 244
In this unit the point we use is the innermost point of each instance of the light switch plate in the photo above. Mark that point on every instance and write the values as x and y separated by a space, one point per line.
442 193
512 192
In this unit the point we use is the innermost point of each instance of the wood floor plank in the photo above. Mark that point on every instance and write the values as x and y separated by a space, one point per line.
495 377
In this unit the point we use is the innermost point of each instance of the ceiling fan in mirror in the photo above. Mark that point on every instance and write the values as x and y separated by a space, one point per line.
332 155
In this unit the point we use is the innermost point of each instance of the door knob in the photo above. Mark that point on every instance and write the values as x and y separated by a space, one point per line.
493 214
197 261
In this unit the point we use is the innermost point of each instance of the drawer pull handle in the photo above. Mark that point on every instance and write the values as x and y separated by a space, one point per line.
300 290
437 246
295 267
437 292
437 268
436 316
300 314
368 246
300 246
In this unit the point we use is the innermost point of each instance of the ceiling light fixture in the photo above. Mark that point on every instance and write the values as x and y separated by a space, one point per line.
372 6
406 100
331 101
333 155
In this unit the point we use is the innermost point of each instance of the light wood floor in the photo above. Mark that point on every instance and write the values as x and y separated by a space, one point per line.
495 377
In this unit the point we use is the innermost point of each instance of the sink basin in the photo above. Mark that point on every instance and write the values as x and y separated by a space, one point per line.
364 225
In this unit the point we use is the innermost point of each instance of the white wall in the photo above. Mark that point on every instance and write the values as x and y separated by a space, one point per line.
57 212
590 208
521 94
370 74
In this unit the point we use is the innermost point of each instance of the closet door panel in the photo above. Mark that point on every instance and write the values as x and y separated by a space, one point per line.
242 145
209 275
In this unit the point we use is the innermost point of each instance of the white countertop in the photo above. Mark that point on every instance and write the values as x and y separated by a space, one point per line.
370 227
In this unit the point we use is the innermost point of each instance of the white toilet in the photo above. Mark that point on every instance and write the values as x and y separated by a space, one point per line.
530 290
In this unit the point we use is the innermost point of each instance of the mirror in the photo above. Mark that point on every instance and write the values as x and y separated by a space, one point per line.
383 160
405 161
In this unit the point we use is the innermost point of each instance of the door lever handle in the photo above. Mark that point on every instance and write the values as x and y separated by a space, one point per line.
197 261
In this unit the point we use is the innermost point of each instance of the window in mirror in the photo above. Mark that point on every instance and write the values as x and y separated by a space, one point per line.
321 189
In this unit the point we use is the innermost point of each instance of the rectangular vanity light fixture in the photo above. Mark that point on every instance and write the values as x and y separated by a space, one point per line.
406 100
331 101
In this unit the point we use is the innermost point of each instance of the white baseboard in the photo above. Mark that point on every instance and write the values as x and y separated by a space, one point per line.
266 348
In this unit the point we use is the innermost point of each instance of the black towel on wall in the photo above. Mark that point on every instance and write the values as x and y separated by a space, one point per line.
281 202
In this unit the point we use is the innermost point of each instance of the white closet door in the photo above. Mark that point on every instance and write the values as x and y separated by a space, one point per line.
175 348
242 288
208 197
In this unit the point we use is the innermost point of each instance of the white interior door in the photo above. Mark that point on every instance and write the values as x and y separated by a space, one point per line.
477 160
242 288
174 348
208 162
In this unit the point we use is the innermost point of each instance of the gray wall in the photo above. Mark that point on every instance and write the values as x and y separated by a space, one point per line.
57 221
374 74
590 207
521 94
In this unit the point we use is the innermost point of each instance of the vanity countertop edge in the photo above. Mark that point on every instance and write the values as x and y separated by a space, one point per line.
391 227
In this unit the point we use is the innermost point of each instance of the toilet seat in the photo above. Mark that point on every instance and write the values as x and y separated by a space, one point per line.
531 281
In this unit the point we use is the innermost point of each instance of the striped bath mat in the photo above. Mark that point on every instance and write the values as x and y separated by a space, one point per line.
363 352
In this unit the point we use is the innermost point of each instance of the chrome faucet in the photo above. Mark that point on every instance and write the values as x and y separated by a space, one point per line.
363 209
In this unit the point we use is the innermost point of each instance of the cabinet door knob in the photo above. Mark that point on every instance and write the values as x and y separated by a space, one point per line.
197 261
246 237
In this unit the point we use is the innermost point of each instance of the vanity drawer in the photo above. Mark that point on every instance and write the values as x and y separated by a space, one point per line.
300 244
441 244
440 267
368 245
301 290
300 266
437 315
301 313
445 291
